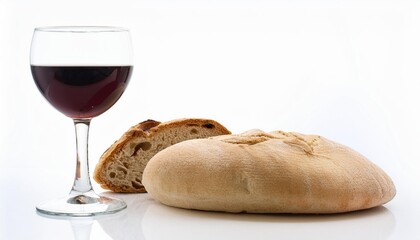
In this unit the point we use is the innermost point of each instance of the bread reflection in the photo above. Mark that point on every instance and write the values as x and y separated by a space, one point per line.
128 224
147 219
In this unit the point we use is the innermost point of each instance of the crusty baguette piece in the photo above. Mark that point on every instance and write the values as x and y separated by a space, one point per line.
120 168
260 172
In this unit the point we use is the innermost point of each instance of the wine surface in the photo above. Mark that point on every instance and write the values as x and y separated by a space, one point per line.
81 91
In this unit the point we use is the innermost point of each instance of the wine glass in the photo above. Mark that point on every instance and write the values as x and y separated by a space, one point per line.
81 71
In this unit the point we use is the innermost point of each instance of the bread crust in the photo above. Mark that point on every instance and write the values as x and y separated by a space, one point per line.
146 130
260 172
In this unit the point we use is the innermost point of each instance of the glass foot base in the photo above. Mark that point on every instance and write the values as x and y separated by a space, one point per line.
81 205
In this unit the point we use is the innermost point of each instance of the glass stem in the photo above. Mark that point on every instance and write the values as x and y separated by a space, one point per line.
82 182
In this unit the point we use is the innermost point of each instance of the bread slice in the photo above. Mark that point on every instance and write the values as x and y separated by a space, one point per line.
120 168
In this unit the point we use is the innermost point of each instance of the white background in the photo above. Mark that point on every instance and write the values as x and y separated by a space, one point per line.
346 70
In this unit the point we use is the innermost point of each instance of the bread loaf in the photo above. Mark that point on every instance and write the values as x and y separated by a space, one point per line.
120 168
260 172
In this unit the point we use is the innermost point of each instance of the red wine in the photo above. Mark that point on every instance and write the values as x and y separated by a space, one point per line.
81 91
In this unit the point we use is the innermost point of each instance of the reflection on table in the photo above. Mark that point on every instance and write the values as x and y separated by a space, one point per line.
148 219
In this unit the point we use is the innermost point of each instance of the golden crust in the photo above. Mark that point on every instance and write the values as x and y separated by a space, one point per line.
260 172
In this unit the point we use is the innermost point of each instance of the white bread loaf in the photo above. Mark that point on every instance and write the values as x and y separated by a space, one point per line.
120 168
259 172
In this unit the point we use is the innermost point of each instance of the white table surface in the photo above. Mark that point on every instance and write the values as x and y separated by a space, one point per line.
145 218
347 70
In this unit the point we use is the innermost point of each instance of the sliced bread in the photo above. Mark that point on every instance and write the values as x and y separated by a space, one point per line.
120 168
